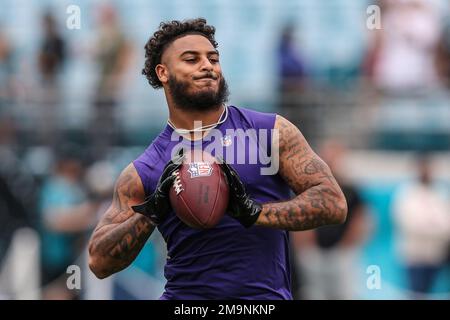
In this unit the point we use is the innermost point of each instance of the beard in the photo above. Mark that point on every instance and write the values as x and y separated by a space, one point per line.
202 100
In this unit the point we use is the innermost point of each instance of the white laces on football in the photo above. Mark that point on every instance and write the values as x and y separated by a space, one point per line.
202 128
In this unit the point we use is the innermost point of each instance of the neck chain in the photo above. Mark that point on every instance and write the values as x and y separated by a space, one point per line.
202 128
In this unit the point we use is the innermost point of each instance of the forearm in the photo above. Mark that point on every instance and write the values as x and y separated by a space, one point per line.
317 206
113 247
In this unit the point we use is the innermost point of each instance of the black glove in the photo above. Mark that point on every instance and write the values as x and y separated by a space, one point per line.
240 206
157 206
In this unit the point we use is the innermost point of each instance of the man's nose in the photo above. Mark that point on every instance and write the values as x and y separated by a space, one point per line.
206 65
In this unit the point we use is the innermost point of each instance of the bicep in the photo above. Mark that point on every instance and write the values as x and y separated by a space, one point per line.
300 166
128 191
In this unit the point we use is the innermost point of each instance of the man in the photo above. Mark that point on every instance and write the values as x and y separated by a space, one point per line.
65 215
246 255
112 55
51 59
328 255
421 215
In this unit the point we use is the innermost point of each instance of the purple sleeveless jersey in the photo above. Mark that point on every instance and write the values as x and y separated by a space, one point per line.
227 261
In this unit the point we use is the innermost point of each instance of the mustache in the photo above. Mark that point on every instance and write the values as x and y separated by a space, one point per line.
208 75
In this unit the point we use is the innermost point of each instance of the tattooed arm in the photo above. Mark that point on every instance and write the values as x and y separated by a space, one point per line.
121 233
319 200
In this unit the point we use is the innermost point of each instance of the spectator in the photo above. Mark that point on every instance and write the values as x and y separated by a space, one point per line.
291 72
443 55
6 68
66 214
51 58
422 217
402 58
113 58
52 53
327 255
99 179
18 188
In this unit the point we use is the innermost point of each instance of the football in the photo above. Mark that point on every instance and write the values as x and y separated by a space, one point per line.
199 195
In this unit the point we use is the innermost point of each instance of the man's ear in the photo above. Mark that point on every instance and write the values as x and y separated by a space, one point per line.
162 73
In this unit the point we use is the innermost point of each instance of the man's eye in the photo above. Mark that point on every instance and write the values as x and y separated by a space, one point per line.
190 60
214 60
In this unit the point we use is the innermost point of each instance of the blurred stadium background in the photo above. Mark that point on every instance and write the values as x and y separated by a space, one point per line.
75 109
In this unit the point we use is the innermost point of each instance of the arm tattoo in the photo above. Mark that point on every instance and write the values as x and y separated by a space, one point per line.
121 233
319 200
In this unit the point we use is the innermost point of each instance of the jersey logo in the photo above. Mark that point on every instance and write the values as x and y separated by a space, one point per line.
200 169
226 141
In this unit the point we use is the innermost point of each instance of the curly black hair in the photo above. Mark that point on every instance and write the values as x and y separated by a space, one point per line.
168 32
